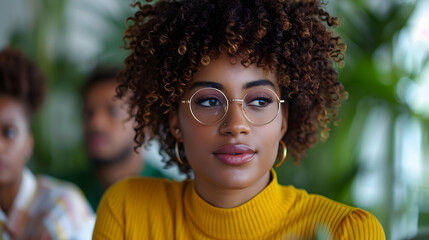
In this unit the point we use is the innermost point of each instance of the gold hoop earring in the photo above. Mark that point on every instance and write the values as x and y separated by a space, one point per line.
176 148
284 154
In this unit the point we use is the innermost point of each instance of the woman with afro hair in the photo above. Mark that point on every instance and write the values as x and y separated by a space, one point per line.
31 207
229 87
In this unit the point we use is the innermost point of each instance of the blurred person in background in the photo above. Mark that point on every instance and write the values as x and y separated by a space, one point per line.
109 136
31 207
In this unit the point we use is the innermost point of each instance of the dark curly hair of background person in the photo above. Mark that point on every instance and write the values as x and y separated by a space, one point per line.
293 38
21 79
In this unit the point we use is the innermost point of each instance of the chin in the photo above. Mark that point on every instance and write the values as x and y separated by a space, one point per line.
237 179
101 154
5 180
236 185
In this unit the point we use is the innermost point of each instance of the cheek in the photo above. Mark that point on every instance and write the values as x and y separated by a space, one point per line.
128 129
196 141
121 131
196 138
269 137
16 154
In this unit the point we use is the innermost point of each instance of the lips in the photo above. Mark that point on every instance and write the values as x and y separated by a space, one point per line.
235 155
96 140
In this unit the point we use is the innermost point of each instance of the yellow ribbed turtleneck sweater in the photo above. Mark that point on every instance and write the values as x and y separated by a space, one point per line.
144 208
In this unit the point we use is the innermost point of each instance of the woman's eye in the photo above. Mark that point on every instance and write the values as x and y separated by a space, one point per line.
209 102
9 133
260 102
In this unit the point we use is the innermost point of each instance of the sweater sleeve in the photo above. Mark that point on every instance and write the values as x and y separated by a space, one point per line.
110 213
360 224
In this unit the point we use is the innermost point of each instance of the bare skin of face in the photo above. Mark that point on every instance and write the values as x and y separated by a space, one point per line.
219 181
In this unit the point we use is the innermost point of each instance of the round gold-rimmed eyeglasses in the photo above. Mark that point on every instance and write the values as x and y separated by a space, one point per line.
210 105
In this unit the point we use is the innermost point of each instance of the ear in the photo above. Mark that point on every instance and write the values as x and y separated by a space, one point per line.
285 115
29 147
175 129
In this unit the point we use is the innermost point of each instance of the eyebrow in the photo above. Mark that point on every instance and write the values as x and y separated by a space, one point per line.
256 83
8 123
207 84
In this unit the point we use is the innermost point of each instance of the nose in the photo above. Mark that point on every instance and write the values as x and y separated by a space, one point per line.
235 122
96 120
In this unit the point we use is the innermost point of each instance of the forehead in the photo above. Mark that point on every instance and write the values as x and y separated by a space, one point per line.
227 74
101 92
11 110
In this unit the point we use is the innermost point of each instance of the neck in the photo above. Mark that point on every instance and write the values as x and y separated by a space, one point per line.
8 193
129 167
229 198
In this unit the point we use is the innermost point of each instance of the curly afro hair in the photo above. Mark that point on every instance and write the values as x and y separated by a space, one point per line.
22 80
169 40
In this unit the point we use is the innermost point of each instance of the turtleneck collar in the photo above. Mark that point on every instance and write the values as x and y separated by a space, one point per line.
249 220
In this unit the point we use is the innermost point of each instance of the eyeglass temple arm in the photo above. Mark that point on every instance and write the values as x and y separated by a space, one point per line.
241 100
232 100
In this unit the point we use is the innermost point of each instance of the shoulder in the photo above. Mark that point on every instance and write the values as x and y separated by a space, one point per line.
48 183
63 205
132 187
317 209
316 203
54 188
138 192
360 224
130 203
87 182
329 217
57 191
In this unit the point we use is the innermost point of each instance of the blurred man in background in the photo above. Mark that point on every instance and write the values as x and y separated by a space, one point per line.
109 135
